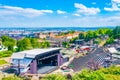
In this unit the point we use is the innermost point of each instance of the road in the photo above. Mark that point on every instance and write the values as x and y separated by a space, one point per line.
80 63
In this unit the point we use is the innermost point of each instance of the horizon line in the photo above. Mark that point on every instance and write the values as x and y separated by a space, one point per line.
61 26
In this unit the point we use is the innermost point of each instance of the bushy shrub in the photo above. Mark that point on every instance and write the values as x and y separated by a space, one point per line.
112 77
5 54
88 75
55 77
11 77
111 70
111 73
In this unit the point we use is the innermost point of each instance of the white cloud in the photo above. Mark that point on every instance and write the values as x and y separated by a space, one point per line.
28 12
83 21
93 2
115 6
76 14
60 12
95 21
118 4
116 1
82 9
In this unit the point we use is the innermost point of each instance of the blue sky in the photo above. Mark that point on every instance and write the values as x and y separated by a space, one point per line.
59 13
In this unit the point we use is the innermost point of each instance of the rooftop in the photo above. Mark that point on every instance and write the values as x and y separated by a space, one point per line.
112 50
32 53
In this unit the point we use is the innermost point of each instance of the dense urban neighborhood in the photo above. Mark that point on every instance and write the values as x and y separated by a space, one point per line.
60 55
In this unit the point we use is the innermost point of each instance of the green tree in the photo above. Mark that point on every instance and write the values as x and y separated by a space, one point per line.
24 44
110 40
116 32
5 38
73 39
101 31
96 34
34 42
97 41
109 32
47 43
8 42
71 32
82 35
65 44
89 35
44 44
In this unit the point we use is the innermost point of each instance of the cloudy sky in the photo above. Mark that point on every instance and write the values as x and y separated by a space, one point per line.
59 13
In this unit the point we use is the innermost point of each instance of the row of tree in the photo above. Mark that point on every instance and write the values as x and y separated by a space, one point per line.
102 32
23 44
97 36
30 43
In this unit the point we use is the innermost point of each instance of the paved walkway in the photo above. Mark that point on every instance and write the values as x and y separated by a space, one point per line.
81 63
7 59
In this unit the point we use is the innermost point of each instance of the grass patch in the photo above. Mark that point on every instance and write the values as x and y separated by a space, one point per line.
2 62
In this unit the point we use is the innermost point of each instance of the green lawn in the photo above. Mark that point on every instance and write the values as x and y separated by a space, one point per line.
2 62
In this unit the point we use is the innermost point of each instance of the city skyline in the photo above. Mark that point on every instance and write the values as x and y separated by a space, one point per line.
57 13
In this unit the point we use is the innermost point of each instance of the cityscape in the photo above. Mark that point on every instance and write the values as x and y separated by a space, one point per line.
56 40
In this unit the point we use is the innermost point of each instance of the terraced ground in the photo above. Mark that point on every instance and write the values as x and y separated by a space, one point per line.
81 62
